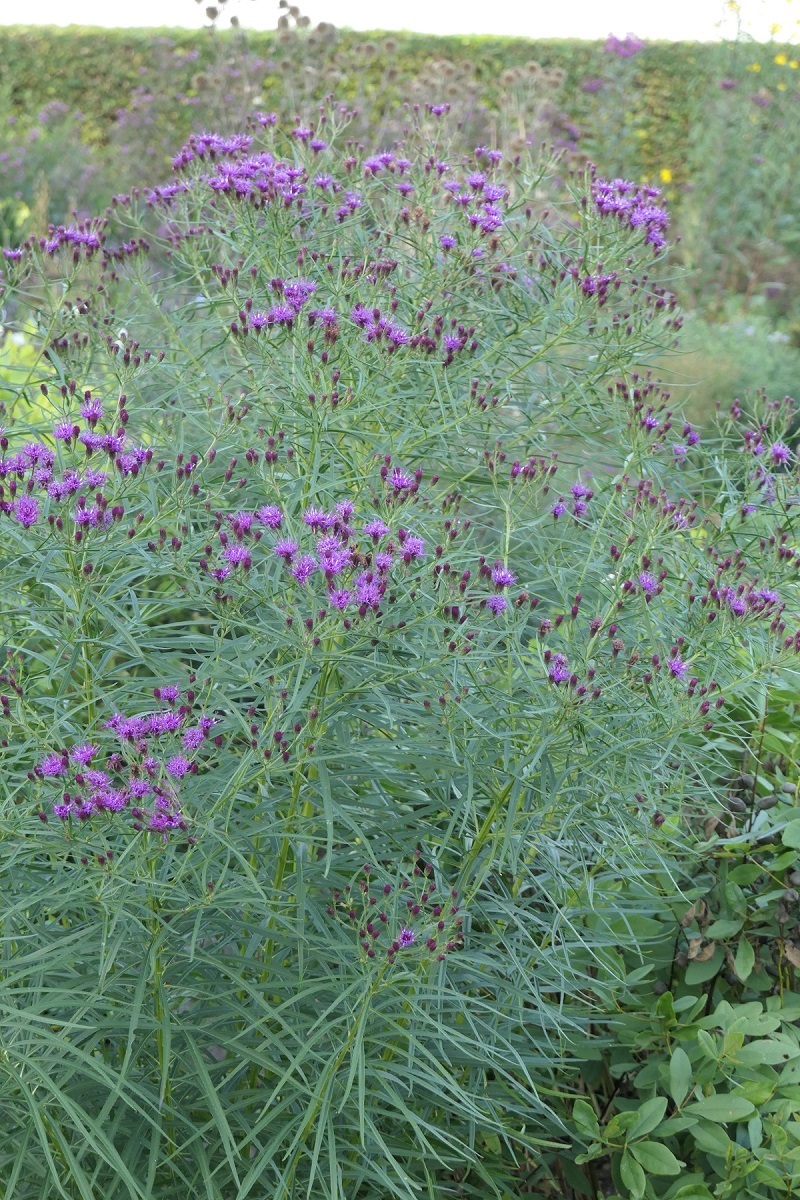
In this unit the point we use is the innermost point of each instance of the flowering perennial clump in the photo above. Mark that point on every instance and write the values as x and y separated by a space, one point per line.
341 519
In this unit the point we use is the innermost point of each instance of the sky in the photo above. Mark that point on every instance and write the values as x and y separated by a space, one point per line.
677 20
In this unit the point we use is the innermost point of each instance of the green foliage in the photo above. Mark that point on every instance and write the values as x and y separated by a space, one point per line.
701 1080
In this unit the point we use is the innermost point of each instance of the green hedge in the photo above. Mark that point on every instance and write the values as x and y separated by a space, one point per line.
95 71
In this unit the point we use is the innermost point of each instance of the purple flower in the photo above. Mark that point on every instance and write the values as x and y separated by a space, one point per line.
333 561
82 755
680 452
96 779
26 511
297 292
304 568
270 516
558 509
677 666
178 766
497 604
376 528
396 335
447 241
624 48
257 320
317 519
559 669
237 555
780 453
400 479
92 410
192 738
64 431
648 583
407 937
281 314
339 599
368 592
581 492
502 577
285 549
413 547
52 766
164 722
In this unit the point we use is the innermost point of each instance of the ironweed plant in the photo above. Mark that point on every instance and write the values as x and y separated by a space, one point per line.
372 622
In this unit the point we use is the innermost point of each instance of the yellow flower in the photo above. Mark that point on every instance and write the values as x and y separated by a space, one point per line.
666 175
794 64
781 60
781 87
754 66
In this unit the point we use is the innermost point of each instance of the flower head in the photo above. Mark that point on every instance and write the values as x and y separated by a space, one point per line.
82 755
26 511
780 453
304 568
270 516
677 666
502 577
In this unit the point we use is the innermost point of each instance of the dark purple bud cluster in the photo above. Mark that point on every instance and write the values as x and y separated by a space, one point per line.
406 910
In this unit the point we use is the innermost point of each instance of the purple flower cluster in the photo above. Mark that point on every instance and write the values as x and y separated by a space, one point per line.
294 295
581 495
479 200
356 576
378 327
627 47
87 237
632 205
598 285
211 145
141 775
35 469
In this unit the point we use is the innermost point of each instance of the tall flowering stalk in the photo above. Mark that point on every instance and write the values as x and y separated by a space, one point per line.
343 523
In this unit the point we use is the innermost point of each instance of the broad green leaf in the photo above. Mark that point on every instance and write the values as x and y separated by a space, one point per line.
680 1075
721 1108
745 959
648 1116
711 1138
655 1158
632 1175
724 928
791 835
585 1118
